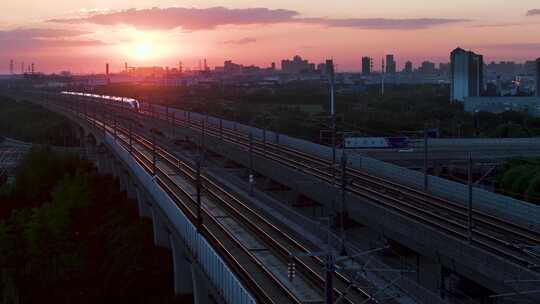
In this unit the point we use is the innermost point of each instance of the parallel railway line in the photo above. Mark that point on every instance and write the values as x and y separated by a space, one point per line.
491 233
280 241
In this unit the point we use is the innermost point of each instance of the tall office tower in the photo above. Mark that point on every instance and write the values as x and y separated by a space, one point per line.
107 73
11 67
330 69
538 77
22 67
125 67
408 69
390 64
32 69
367 65
467 74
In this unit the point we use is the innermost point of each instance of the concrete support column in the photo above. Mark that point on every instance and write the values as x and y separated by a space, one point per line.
161 233
130 187
120 175
109 161
183 282
114 167
429 274
143 206
200 286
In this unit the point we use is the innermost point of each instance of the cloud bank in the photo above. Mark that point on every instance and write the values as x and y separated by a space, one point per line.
35 39
29 33
188 18
194 19
533 12
242 41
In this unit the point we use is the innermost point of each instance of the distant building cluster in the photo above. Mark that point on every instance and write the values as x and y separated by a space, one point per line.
297 65
504 91
493 87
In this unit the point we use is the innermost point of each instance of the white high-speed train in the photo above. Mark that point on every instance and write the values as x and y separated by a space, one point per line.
125 102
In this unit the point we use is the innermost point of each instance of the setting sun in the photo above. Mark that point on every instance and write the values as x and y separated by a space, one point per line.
143 51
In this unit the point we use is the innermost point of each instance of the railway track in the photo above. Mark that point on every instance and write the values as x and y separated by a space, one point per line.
281 241
490 233
277 239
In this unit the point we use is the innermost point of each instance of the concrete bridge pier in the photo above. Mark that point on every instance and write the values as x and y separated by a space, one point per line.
160 229
103 162
142 203
109 160
130 186
429 274
183 282
201 290
120 175
115 166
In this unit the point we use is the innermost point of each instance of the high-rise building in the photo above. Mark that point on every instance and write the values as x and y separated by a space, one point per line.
467 74
444 68
427 68
11 66
390 64
408 69
232 68
297 65
107 73
538 77
367 65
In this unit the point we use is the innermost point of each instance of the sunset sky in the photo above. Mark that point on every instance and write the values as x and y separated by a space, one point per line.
81 35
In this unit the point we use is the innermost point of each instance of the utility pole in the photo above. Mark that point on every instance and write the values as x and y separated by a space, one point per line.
425 158
198 181
343 200
203 131
330 71
198 186
104 123
130 138
154 155
114 127
264 135
173 124
251 177
470 202
221 129
330 265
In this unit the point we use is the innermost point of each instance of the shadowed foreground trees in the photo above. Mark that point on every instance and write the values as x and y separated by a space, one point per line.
75 239
521 179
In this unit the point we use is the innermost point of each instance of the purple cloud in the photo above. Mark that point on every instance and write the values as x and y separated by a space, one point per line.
29 33
519 46
533 12
35 39
187 18
384 23
208 18
242 41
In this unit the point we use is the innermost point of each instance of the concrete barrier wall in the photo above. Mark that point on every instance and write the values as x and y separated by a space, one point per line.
217 270
517 211
480 141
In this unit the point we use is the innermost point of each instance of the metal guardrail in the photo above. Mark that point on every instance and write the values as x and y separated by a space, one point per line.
217 270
